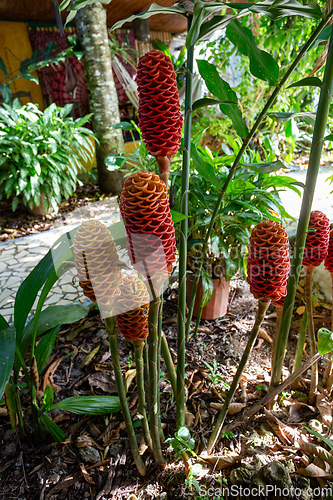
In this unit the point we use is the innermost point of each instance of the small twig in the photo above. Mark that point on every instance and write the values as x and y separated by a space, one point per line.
251 411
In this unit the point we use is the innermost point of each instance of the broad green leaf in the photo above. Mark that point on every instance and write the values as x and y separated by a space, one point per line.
310 81
284 116
45 346
3 323
203 167
3 68
328 137
53 428
231 268
89 405
222 91
208 101
151 11
48 398
207 287
64 4
219 23
183 433
265 168
124 126
10 396
262 64
51 318
325 341
6 93
114 161
276 9
7 343
177 216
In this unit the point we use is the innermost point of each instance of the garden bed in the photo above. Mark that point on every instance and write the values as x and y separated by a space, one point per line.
95 460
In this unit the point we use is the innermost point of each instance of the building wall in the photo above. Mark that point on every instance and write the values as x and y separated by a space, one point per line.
14 48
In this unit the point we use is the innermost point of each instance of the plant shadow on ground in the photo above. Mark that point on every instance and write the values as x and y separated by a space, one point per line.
95 460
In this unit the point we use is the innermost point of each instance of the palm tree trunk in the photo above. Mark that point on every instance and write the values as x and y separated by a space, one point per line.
103 99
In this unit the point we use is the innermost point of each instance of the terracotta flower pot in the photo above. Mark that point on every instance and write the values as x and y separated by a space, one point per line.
218 304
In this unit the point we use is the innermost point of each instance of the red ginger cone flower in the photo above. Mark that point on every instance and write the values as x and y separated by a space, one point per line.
97 262
132 308
159 108
268 261
317 239
329 255
144 206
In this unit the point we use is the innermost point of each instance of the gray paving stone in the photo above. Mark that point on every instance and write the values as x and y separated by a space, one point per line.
3 267
13 281
68 288
5 294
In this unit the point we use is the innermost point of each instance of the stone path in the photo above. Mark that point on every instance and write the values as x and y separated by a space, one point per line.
18 257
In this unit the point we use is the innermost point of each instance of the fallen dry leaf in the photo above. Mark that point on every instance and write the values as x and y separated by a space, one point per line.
88 359
86 440
103 380
3 412
86 475
325 409
299 412
129 377
220 462
285 433
233 407
259 344
48 377
313 471
264 335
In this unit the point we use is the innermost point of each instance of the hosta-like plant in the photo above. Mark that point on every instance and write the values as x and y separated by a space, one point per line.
41 153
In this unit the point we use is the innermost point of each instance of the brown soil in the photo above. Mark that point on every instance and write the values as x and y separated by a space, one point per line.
102 468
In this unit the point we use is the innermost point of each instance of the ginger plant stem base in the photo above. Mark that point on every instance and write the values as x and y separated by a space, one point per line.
138 353
112 333
262 308
312 337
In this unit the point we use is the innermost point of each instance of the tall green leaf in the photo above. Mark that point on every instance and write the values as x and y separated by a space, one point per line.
7 343
207 287
222 91
89 405
276 9
53 428
285 116
151 11
201 12
3 323
262 64
265 168
310 81
44 348
203 167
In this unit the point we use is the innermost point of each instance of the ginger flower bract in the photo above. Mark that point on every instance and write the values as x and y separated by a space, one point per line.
268 261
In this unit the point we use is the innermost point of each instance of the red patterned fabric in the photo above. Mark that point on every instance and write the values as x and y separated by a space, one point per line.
54 77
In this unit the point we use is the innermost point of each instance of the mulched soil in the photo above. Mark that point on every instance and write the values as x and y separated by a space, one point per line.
22 223
95 461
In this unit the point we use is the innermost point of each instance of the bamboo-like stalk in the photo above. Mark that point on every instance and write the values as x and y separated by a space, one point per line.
238 158
310 184
170 367
111 329
159 333
138 353
300 348
276 333
328 369
312 336
262 308
146 372
153 343
180 401
195 332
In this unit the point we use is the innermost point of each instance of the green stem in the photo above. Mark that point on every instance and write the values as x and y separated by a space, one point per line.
246 141
19 413
180 406
312 336
300 348
328 369
195 333
111 329
138 350
146 372
262 307
170 367
153 379
310 184
159 332
276 333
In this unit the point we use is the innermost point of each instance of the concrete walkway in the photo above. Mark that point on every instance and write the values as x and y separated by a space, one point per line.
18 257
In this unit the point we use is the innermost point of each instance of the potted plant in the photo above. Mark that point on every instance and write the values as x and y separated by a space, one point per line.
252 196
41 154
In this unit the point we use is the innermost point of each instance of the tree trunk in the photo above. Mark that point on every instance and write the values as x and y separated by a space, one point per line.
103 99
